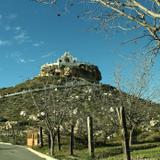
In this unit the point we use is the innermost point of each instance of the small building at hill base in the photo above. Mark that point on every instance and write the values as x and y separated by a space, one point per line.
32 138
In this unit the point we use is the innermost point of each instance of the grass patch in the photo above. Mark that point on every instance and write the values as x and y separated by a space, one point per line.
147 154
146 151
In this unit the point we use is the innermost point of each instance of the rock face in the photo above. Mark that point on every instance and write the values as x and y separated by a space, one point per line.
68 66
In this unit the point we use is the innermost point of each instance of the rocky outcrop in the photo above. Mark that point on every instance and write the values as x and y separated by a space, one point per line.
68 66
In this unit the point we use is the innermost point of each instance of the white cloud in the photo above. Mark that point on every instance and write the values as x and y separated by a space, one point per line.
17 34
31 60
18 28
4 43
21 60
15 56
22 37
37 44
12 16
18 58
47 55
7 28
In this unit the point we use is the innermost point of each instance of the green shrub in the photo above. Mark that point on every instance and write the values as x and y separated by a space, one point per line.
142 137
154 137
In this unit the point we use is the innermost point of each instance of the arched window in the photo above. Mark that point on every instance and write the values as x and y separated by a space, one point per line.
67 60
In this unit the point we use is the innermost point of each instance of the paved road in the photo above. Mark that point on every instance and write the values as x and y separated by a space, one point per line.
12 152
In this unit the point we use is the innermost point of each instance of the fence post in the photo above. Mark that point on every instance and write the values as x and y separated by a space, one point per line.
90 137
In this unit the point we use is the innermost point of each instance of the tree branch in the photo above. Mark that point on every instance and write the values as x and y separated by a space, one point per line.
144 9
122 13
157 2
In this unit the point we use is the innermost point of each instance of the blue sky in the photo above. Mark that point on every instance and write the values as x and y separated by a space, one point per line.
32 34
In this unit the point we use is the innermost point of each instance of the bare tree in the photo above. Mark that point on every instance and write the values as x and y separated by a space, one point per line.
123 15
51 109
140 89
121 112
132 103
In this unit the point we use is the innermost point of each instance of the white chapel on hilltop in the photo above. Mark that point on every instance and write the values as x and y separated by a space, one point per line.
69 66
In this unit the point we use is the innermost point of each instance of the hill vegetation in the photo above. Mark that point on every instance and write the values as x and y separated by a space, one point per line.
62 100
68 101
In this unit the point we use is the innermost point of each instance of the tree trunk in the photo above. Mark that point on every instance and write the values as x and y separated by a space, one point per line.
52 138
49 140
7 134
105 137
126 148
32 139
131 136
13 135
72 140
59 138
90 137
40 137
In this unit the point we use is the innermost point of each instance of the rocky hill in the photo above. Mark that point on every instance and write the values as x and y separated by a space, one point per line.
88 97
66 70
